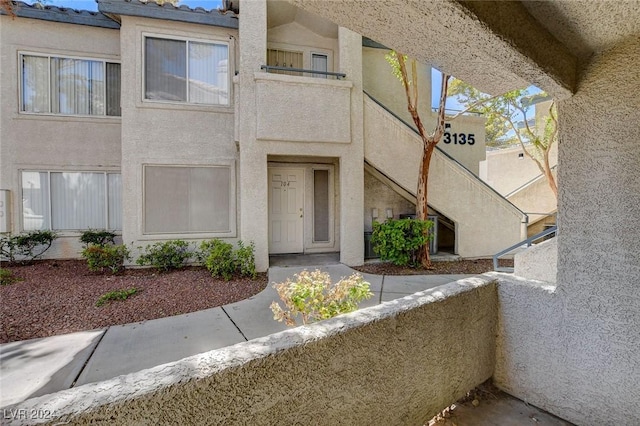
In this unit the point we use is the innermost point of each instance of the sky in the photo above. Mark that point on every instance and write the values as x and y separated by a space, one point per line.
452 104
92 5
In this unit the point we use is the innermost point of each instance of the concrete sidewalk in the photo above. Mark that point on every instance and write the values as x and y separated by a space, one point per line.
41 366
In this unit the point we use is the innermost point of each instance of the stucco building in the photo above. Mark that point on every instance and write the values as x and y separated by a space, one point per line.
569 346
161 123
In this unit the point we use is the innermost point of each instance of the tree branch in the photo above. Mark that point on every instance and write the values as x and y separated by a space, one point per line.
472 106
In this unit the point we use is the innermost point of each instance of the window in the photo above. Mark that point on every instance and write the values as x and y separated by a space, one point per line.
181 199
186 71
285 58
321 205
319 62
68 86
71 200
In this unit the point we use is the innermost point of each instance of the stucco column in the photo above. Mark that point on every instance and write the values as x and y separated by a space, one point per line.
352 164
599 244
253 162
573 350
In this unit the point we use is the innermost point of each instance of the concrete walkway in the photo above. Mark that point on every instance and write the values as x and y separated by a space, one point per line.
41 366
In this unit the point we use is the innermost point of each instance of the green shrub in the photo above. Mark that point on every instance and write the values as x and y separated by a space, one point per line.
246 259
400 240
111 257
26 247
7 277
166 255
223 261
217 256
116 295
312 296
97 237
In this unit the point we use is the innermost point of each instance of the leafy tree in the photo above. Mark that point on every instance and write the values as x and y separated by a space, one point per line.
509 113
409 80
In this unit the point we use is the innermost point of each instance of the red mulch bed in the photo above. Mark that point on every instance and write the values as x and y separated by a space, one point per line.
58 297
478 266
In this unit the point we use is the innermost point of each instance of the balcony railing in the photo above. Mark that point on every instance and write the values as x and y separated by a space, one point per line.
314 73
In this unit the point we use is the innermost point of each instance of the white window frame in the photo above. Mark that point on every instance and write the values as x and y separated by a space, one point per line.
331 206
231 233
230 70
50 212
104 61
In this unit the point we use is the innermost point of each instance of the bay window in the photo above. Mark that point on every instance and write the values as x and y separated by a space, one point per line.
186 71
69 86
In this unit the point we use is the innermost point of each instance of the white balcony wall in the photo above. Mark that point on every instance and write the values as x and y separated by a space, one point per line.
303 109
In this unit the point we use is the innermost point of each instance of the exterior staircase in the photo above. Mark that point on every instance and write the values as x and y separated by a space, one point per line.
485 221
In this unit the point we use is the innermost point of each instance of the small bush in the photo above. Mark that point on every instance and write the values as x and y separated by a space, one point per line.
7 277
223 261
217 256
166 255
246 259
111 257
97 237
116 295
400 240
312 296
26 247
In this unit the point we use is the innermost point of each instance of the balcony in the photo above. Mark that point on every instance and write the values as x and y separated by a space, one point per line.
301 108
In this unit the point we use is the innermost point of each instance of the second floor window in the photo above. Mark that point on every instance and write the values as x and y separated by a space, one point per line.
186 71
69 86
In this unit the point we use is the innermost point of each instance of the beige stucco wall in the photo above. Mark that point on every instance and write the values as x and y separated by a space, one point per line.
384 87
379 82
396 363
469 156
538 262
536 197
505 171
378 195
52 142
303 109
575 352
485 222
165 133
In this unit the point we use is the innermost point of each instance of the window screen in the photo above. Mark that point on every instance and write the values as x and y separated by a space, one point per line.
187 199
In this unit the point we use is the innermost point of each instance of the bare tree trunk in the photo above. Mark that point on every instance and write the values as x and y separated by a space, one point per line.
549 174
422 212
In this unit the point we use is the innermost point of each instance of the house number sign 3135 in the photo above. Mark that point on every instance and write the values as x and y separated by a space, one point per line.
457 138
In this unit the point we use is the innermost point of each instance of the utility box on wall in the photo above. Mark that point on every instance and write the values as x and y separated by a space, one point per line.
5 209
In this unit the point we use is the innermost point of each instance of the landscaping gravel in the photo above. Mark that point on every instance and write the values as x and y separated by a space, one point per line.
478 266
59 297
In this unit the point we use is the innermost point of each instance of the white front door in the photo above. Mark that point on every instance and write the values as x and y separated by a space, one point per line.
286 202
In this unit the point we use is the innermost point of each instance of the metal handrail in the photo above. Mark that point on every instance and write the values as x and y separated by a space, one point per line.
528 242
337 75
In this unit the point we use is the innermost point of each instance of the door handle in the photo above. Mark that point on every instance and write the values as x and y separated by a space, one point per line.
301 214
